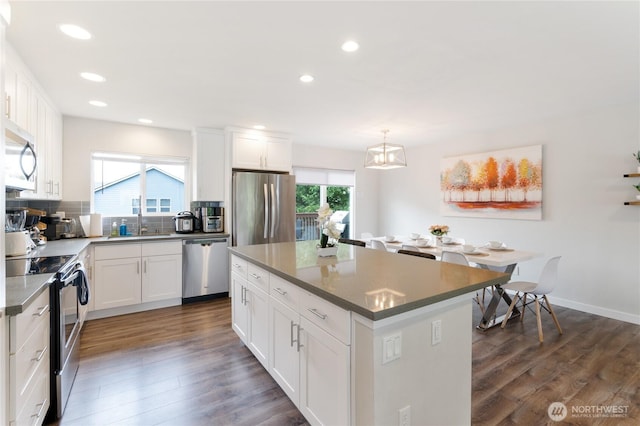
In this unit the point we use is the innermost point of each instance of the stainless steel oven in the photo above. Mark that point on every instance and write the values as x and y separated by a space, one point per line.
69 290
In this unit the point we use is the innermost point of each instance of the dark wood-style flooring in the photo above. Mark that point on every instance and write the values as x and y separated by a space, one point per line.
185 366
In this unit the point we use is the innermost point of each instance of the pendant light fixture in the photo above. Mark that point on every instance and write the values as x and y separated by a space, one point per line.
385 155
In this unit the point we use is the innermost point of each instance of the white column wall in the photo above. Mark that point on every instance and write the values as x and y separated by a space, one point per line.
584 219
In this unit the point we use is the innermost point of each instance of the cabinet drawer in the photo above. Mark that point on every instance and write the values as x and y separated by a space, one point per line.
162 249
36 400
27 363
24 324
284 291
258 276
117 251
239 266
331 318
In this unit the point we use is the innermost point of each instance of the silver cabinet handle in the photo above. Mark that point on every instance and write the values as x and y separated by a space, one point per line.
145 266
257 277
315 312
291 330
138 267
42 311
237 266
41 405
280 291
298 339
40 353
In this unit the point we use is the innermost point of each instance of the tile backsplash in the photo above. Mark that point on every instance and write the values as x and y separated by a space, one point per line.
74 209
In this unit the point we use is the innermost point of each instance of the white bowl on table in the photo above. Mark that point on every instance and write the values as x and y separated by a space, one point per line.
414 236
390 238
469 249
447 240
496 244
425 243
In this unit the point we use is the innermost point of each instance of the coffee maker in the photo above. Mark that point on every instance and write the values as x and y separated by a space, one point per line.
209 216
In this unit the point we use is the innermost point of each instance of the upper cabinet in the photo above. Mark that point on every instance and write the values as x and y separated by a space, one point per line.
209 165
28 106
256 150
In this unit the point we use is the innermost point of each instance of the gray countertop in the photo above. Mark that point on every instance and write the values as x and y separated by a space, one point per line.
374 283
21 291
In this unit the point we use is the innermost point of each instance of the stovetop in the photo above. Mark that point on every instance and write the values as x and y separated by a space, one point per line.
35 265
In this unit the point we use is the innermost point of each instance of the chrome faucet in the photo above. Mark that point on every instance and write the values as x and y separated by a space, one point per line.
141 229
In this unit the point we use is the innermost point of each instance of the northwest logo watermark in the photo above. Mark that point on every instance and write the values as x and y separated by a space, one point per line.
557 411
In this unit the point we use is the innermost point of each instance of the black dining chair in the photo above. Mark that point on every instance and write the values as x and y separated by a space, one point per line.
417 253
352 242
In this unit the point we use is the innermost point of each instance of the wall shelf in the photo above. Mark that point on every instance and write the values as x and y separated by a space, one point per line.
632 203
632 175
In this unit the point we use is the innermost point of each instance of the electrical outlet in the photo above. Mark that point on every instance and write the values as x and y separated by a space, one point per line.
436 332
404 416
391 347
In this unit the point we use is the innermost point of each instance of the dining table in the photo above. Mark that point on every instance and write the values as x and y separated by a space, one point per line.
503 259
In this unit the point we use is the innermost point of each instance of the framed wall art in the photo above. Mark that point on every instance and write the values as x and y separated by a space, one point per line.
505 184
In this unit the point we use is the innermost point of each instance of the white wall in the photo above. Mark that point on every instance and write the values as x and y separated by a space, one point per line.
584 219
83 136
366 198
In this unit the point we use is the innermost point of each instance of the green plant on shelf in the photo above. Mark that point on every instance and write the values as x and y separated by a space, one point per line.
637 186
637 156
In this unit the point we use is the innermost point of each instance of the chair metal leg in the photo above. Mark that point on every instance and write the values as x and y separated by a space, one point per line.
508 314
553 314
538 319
524 306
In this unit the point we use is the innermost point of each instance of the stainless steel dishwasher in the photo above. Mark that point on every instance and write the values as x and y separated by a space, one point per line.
205 268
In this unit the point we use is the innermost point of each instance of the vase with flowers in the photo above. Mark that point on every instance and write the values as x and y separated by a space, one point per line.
438 231
329 232
638 188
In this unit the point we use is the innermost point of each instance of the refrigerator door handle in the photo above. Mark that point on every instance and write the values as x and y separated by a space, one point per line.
274 202
266 211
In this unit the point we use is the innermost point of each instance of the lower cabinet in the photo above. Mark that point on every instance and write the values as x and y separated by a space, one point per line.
29 355
134 273
307 338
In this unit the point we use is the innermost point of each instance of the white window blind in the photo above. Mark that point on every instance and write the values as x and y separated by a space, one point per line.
330 177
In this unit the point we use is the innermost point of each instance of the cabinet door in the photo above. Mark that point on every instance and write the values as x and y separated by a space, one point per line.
117 283
161 277
238 306
54 152
278 154
324 377
209 157
248 152
23 101
284 359
10 90
258 306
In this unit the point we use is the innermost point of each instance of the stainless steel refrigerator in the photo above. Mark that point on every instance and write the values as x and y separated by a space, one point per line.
264 208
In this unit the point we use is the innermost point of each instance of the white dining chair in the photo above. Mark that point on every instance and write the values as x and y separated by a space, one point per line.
461 259
378 245
409 247
545 285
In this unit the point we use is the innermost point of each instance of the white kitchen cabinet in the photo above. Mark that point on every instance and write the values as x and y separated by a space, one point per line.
250 307
261 151
29 355
308 341
324 376
208 165
136 273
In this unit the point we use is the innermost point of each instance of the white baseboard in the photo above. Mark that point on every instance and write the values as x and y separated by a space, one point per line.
596 310
129 309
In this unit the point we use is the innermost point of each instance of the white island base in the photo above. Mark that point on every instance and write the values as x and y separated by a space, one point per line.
428 384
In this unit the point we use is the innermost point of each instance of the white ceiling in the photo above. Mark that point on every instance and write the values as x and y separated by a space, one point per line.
425 70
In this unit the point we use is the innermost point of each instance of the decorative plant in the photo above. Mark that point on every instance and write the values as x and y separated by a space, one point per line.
637 186
328 228
637 156
439 230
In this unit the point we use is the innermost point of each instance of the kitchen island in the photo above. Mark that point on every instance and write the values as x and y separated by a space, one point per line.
365 337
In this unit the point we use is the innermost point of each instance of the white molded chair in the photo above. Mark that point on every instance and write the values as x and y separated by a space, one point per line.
544 286
461 259
409 247
378 245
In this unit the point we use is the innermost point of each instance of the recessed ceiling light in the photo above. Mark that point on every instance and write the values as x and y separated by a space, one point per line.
98 103
145 120
259 127
75 31
92 77
306 78
350 46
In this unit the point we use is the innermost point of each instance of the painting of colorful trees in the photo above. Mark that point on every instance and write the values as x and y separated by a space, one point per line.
497 184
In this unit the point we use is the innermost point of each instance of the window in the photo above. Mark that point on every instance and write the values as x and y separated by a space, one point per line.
318 186
120 182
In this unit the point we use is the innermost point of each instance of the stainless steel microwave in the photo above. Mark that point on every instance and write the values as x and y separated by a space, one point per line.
20 159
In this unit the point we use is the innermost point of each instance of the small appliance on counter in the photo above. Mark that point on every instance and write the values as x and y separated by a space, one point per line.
185 222
16 240
209 216
59 227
